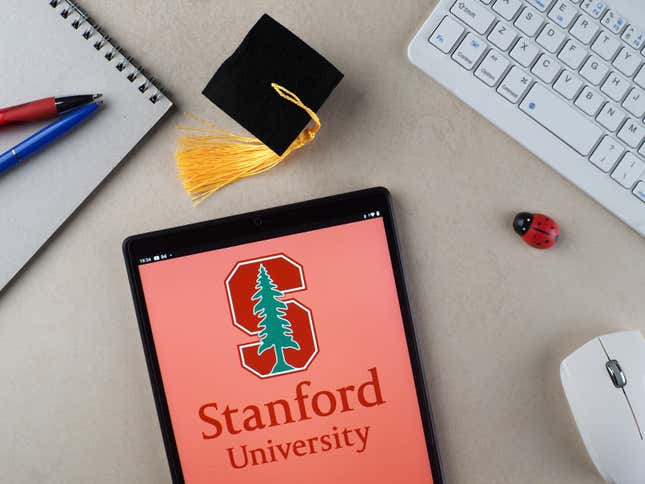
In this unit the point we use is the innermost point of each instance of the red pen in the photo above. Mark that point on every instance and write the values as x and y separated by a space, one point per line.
42 109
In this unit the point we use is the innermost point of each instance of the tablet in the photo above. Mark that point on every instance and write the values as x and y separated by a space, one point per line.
281 348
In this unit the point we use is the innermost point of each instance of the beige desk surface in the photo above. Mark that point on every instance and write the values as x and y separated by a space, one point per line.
494 316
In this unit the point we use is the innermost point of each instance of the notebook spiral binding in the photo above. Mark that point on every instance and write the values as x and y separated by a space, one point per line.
113 53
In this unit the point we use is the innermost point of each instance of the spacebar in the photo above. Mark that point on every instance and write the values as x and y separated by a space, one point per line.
562 119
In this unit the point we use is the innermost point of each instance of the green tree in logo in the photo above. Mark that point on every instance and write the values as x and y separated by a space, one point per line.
275 331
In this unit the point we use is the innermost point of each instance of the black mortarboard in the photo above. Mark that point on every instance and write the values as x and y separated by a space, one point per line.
270 53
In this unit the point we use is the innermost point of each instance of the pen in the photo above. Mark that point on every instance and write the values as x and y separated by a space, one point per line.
47 135
47 108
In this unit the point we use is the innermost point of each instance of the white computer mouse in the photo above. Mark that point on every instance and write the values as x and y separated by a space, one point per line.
604 382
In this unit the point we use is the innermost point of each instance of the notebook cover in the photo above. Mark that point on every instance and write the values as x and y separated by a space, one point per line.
49 57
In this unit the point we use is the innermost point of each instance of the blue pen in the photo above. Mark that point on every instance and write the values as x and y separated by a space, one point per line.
47 135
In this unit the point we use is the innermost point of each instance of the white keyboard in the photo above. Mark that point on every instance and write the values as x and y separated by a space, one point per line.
565 78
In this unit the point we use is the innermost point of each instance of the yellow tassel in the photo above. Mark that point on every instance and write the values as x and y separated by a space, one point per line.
209 158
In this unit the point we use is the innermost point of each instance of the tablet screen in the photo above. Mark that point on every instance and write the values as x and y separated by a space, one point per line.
285 360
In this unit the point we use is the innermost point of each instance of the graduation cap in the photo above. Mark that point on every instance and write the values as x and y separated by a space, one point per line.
272 85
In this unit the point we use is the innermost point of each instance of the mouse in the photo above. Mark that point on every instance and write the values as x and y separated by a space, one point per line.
604 383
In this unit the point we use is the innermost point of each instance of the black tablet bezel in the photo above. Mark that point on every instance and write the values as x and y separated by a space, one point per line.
265 224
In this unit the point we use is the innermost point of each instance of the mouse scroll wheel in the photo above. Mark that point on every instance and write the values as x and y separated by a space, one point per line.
616 374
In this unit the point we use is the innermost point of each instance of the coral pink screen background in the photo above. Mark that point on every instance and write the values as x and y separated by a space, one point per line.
352 294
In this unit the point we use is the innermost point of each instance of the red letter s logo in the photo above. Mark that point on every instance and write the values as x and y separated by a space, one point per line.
284 328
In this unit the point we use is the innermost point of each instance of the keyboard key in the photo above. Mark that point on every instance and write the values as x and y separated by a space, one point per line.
629 170
568 84
546 68
551 38
590 101
632 133
615 87
640 78
469 51
525 52
473 14
572 54
529 21
595 8
557 116
627 61
507 8
639 191
634 37
635 102
514 84
594 70
611 117
491 69
606 154
502 36
563 13
614 22
541 5
446 35
584 29
606 45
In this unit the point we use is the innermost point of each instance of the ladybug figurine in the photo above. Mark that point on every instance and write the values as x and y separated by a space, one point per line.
537 230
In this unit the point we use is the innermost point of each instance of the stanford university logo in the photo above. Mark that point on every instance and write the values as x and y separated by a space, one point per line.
282 327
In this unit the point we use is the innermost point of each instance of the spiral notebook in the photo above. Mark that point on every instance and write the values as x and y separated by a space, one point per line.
52 48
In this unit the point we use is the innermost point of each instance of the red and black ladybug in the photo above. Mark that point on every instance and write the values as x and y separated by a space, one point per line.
537 230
